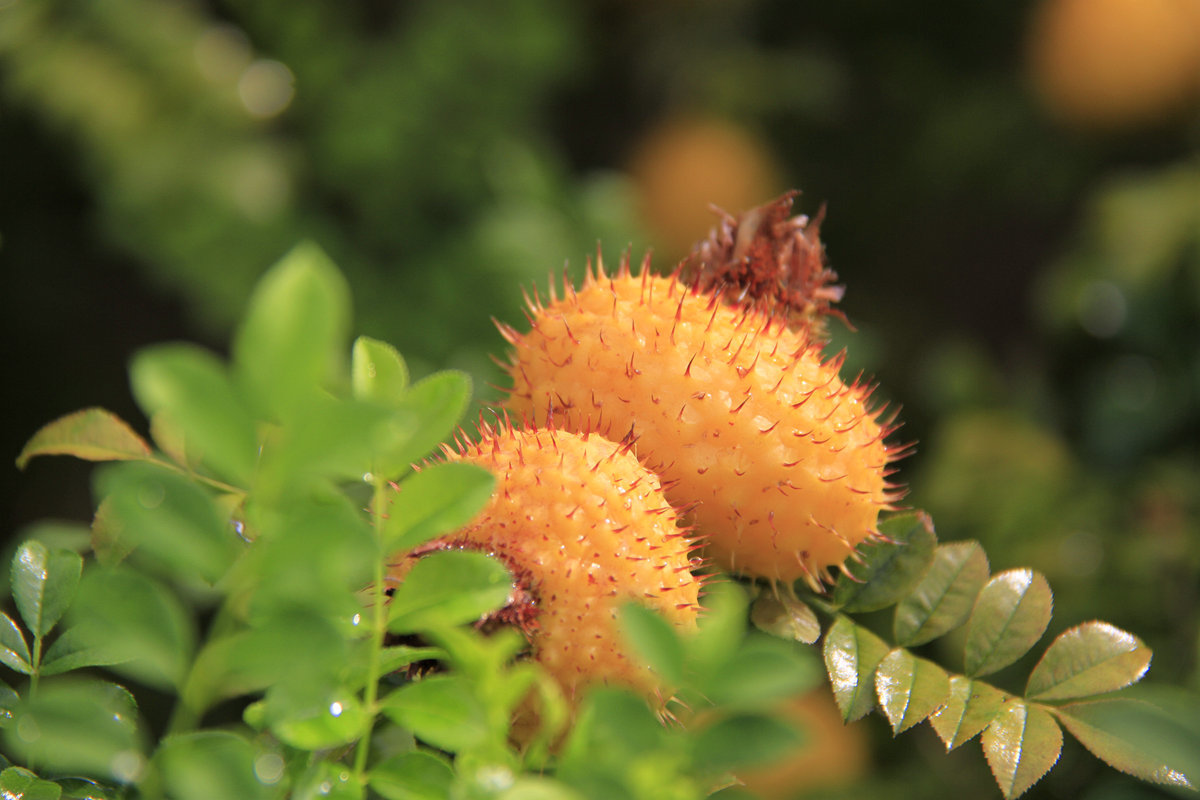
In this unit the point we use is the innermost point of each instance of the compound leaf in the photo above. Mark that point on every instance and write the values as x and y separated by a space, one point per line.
852 654
1021 744
1092 658
1010 615
889 568
943 599
909 688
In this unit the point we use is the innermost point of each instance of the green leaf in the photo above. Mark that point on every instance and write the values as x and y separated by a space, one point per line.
889 569
909 688
44 584
85 789
720 629
1136 738
169 521
1010 615
448 588
75 726
14 650
1092 658
438 499
292 337
654 639
1022 743
8 703
378 372
531 787
92 434
614 726
741 741
192 387
786 617
969 708
438 401
762 669
335 721
140 624
208 764
943 599
852 653
327 780
412 776
75 649
440 710
21 784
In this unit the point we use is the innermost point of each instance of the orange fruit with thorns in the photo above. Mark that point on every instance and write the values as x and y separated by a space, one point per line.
584 528
782 465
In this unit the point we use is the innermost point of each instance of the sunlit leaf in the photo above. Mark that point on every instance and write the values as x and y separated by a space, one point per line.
44 583
785 617
377 372
208 764
292 336
1010 615
909 688
438 499
852 653
889 568
1089 659
1136 738
969 707
1022 743
741 741
93 434
533 787
448 588
654 640
192 386
412 776
18 783
943 599
440 710
14 650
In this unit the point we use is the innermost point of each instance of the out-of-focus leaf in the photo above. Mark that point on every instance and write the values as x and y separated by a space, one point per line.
169 520
1092 658
192 386
81 727
327 780
92 434
438 402
889 568
438 499
378 373
909 688
14 650
943 599
761 670
654 640
530 787
720 628
613 726
1010 615
440 710
85 789
412 776
448 588
852 653
339 720
1136 738
741 741
786 617
969 708
292 336
1022 743
74 649
208 764
21 784
8 703
44 584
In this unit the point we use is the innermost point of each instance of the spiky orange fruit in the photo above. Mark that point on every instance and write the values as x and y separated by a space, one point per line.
584 528
782 464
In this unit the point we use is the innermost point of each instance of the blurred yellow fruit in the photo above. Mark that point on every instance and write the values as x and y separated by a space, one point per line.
1115 62
832 753
685 165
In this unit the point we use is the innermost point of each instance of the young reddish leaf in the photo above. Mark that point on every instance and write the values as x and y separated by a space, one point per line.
1010 615
92 434
889 569
909 688
1092 658
786 617
943 599
1131 736
1021 745
969 708
851 655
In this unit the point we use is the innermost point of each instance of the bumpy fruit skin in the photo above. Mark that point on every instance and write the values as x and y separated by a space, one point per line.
584 528
782 465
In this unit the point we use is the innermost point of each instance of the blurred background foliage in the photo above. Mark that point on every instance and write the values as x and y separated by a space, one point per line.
1012 194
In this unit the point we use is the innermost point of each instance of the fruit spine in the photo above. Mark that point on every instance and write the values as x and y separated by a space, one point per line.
783 465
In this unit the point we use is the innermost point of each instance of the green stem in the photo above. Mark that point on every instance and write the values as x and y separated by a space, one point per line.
36 664
378 631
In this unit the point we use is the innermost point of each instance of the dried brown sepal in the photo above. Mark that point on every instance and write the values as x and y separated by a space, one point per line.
769 260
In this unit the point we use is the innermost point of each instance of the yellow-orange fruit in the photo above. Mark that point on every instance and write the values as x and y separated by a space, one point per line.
584 528
782 465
